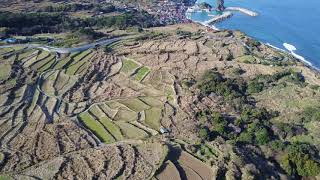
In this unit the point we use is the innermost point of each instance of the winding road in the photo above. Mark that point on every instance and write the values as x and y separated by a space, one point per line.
68 50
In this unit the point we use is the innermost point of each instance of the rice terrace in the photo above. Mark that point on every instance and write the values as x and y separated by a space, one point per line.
106 90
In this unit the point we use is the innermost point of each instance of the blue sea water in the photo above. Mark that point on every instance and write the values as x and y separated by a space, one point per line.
296 22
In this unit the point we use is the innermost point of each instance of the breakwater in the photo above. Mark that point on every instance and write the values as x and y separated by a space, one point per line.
242 10
219 18
227 14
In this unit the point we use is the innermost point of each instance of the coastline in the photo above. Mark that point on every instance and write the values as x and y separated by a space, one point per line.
303 61
298 57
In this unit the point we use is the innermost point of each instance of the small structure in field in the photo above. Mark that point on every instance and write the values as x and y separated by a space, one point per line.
164 130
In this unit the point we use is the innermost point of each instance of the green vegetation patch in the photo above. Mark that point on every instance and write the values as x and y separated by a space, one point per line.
125 114
261 82
129 66
151 101
153 116
5 177
310 113
44 64
298 160
131 131
114 105
96 111
213 82
135 104
1 157
106 109
142 73
82 55
5 70
5 50
62 62
249 59
112 128
42 55
79 62
96 128
72 70
170 93
25 54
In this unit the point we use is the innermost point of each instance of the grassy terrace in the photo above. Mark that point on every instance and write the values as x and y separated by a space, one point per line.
79 61
5 70
142 73
96 128
135 104
131 131
120 119
44 64
112 128
153 118
125 114
129 66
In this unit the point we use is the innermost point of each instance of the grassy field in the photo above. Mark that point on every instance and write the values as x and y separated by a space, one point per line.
79 61
5 50
44 64
135 104
25 54
5 70
62 62
153 118
151 101
125 114
131 131
41 56
112 128
96 128
246 59
81 55
106 109
142 73
5 177
1 157
129 66
97 111
72 69
288 100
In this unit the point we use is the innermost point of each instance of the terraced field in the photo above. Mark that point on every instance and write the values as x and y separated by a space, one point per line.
182 165
73 103
98 115
124 119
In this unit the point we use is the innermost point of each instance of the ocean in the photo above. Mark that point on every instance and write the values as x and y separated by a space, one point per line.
292 25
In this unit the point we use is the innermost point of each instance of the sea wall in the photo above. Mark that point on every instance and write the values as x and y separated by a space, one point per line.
219 18
242 10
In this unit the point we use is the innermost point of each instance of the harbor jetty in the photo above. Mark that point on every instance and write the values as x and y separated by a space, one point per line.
242 10
223 16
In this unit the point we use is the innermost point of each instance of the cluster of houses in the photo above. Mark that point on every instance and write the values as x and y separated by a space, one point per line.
168 12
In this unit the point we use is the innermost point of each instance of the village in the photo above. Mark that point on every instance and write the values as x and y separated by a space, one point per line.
168 12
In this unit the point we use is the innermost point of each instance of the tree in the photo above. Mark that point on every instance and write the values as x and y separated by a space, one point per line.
204 133
262 136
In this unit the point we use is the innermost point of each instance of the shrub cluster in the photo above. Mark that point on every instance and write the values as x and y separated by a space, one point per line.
213 82
33 23
252 125
261 82
298 160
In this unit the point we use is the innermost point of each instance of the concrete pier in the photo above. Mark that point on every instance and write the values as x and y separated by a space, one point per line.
219 18
242 10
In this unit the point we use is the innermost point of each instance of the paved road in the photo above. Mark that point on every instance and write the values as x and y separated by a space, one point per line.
67 50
